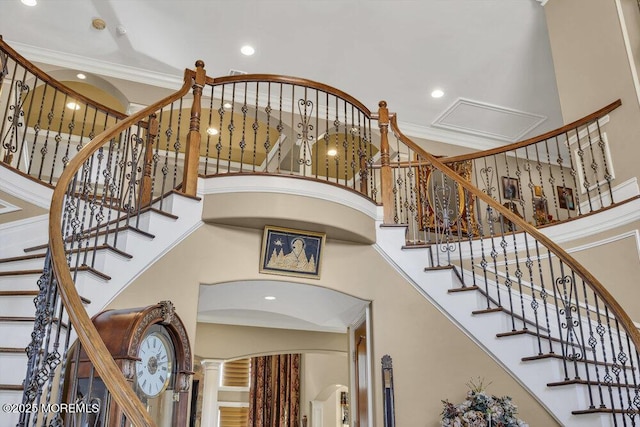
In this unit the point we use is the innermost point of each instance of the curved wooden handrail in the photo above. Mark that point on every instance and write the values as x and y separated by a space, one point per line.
551 134
274 78
613 305
87 333
44 77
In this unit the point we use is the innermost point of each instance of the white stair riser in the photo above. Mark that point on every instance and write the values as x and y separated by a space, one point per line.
16 334
14 367
17 306
418 256
27 264
9 397
126 239
23 234
22 282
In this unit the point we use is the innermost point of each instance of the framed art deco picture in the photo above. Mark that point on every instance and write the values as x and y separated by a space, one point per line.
290 252
565 198
510 188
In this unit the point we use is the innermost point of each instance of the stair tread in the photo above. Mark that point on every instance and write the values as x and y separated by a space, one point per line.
17 319
20 272
463 289
40 271
561 357
579 381
11 387
604 411
22 258
15 350
18 293
417 246
36 248
103 246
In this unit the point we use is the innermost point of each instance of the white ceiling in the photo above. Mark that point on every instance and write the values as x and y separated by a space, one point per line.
491 58
492 53
294 306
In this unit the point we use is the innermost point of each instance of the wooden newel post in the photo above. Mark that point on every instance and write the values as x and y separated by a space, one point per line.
192 151
145 186
386 176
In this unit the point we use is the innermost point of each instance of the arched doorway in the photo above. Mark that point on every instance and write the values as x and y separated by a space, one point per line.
244 319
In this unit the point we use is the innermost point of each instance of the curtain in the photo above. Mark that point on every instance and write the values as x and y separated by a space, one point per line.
274 393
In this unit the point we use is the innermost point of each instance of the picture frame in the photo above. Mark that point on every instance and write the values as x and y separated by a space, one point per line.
540 206
565 198
537 191
510 188
291 252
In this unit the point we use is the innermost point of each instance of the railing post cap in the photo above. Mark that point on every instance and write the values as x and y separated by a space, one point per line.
382 104
199 63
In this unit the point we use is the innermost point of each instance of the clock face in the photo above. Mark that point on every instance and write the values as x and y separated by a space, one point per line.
153 370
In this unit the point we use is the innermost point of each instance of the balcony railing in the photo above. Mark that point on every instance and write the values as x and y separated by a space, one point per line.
43 123
556 176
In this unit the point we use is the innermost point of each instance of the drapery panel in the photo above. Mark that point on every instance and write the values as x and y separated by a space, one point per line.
274 396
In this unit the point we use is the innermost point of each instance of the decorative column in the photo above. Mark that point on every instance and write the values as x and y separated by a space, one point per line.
192 151
211 370
146 182
386 175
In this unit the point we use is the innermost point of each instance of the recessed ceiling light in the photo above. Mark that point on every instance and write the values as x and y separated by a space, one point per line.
227 105
73 105
332 152
29 2
247 50
212 131
269 298
438 93
81 76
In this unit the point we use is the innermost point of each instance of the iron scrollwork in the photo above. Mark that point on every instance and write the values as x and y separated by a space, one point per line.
565 287
305 108
16 118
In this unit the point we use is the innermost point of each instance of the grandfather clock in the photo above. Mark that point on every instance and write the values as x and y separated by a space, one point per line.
151 347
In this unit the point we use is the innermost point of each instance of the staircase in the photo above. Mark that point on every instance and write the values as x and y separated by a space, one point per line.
537 365
141 240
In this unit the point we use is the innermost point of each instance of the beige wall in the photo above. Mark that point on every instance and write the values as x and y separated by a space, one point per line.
225 342
613 257
27 210
433 360
321 371
593 70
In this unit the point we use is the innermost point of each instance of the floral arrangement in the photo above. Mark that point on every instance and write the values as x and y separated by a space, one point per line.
481 410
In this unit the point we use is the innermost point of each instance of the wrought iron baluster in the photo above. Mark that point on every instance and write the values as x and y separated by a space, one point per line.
267 143
10 140
255 126
243 143
177 145
24 140
209 133
586 184
594 166
607 173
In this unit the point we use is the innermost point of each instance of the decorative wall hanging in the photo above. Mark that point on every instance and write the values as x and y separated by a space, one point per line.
291 252
510 188
565 198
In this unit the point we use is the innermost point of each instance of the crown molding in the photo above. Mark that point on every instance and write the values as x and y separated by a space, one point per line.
95 66
448 137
